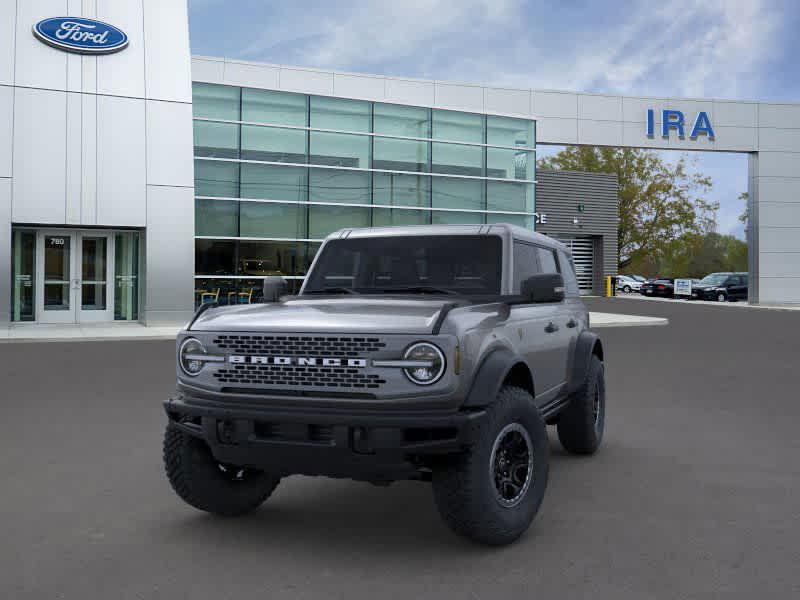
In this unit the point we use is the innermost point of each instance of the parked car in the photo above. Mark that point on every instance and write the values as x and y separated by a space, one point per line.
627 284
639 278
721 287
663 288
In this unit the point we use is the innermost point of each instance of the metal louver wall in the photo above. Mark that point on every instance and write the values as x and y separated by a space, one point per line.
583 256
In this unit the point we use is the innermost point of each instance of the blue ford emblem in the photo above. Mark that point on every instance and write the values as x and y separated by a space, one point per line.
76 34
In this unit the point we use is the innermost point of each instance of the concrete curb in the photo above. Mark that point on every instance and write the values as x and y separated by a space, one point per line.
599 320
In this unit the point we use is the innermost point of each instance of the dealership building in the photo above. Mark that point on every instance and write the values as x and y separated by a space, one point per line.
137 181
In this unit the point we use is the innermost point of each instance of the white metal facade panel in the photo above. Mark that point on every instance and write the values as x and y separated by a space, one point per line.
511 102
459 97
306 81
5 249
88 159
6 128
167 60
210 70
121 73
408 91
39 148
74 159
600 108
350 86
242 73
121 167
8 24
36 64
169 144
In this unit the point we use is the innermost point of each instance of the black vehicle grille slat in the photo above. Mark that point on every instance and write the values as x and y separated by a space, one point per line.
299 376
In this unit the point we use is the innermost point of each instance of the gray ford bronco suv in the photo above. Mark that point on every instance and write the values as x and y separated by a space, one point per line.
436 353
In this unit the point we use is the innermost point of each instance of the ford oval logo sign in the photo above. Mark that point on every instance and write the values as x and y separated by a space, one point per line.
76 34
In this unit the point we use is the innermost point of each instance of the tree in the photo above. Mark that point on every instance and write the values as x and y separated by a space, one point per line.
659 202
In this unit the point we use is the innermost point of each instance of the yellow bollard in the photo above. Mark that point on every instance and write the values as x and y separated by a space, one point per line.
608 287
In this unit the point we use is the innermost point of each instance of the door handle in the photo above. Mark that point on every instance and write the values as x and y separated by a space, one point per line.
572 323
551 327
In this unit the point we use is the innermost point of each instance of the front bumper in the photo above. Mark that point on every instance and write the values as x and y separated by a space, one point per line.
371 445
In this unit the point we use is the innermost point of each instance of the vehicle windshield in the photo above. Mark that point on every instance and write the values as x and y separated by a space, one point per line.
714 279
453 264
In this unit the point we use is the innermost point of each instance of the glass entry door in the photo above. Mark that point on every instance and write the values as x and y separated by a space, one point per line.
74 272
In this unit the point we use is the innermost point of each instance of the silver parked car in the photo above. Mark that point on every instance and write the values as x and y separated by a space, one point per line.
436 353
628 284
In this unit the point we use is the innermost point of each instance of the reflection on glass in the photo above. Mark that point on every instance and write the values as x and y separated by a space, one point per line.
400 155
337 113
56 272
216 178
268 220
215 101
508 195
273 144
402 190
270 258
509 164
214 257
126 276
323 220
272 182
216 217
220 140
23 259
457 159
452 192
280 108
339 150
441 217
507 131
93 273
521 220
457 126
338 185
406 121
384 217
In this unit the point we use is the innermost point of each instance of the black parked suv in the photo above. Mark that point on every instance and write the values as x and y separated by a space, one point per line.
721 287
664 288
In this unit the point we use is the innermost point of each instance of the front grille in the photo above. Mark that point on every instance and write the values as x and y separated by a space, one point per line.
289 345
291 375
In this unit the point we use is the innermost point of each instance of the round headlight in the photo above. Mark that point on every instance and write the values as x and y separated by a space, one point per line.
191 355
431 363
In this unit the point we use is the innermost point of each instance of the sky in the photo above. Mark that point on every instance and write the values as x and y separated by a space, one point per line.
732 49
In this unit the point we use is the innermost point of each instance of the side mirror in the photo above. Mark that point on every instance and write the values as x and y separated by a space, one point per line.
275 286
543 287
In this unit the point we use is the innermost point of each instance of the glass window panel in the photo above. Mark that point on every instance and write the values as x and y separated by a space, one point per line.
337 113
507 131
215 101
547 260
457 159
323 220
93 272
338 185
442 217
213 290
57 272
23 259
457 126
400 155
216 178
265 219
216 217
270 258
509 164
401 190
220 140
273 144
452 192
214 257
521 220
507 195
274 182
339 150
525 264
384 217
126 276
407 121
281 108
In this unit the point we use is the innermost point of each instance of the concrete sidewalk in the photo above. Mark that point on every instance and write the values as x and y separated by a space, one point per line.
135 331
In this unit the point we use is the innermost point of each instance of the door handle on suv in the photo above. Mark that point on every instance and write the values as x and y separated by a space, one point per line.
551 327
572 323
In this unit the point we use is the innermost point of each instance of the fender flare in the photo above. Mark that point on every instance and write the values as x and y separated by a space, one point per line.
588 344
490 376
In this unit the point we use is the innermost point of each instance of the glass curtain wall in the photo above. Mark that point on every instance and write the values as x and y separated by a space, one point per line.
275 172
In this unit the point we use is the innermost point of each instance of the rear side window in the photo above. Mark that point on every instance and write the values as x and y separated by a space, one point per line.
568 272
547 260
526 263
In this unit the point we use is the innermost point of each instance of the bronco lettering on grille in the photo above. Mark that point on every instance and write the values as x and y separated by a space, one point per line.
300 361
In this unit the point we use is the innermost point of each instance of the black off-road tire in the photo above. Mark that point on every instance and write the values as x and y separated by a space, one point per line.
581 424
202 482
464 486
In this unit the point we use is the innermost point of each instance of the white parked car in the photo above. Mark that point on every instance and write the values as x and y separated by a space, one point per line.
627 284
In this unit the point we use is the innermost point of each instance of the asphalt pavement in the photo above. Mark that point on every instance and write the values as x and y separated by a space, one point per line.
694 494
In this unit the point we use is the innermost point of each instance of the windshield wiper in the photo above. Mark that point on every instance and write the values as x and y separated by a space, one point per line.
420 289
332 290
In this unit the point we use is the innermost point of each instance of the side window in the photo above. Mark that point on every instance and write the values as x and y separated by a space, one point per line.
525 263
547 260
568 271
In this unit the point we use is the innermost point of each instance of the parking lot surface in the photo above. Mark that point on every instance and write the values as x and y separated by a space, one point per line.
693 495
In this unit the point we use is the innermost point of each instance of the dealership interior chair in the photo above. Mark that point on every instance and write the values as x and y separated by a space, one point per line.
209 297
